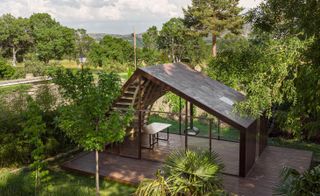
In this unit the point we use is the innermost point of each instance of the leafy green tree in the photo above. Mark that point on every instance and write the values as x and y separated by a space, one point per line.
172 38
150 38
87 117
109 50
296 184
267 73
300 19
34 129
186 173
15 34
52 41
214 17
176 41
83 43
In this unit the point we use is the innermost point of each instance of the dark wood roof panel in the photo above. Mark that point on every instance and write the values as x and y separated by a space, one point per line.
209 93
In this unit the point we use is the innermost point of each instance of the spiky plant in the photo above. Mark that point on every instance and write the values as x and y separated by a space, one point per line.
186 173
193 173
295 184
156 187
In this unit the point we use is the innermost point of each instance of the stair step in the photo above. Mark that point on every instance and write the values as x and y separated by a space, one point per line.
123 103
127 97
122 109
129 92
131 88
124 99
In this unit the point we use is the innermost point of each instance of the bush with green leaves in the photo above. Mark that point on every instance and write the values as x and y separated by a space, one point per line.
294 183
16 146
6 70
186 173
37 67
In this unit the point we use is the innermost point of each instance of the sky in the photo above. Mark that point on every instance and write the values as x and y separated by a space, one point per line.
105 16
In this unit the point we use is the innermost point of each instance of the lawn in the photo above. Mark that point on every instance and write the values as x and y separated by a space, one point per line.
59 183
14 88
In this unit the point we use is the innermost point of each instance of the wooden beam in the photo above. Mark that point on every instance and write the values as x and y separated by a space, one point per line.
180 108
186 128
140 118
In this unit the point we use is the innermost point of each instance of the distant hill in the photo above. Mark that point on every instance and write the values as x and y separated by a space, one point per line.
128 37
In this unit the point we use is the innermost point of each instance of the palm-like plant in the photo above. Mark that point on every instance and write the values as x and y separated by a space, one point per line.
156 187
186 173
193 173
295 184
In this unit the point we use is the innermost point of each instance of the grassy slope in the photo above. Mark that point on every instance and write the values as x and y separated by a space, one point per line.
59 183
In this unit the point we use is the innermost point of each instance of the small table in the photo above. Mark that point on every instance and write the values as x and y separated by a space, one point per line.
153 130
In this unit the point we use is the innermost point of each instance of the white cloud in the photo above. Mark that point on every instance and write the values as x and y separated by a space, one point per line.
105 15
91 10
249 3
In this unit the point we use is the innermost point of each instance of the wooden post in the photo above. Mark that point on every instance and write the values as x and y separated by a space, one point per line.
180 105
219 129
135 48
140 119
186 128
242 154
210 135
191 116
139 136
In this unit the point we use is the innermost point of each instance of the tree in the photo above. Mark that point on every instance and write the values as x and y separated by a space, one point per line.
110 50
267 73
171 38
34 129
215 17
186 173
15 33
52 41
87 117
280 20
83 43
296 184
150 38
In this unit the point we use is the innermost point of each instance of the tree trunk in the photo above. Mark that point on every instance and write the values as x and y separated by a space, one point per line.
97 174
14 57
214 45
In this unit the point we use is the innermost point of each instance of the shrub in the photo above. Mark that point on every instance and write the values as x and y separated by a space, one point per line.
186 173
15 148
295 184
6 70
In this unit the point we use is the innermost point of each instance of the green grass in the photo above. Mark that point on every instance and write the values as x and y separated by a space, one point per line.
59 183
226 132
14 88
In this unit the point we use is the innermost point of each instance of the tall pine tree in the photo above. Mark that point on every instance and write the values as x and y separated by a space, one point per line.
214 17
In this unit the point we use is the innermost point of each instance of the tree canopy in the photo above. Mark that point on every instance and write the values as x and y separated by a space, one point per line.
87 117
15 34
214 17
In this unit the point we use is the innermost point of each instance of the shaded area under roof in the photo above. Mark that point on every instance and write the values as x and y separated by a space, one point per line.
210 95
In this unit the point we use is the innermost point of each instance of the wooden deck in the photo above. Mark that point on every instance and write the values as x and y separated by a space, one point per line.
228 151
260 181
